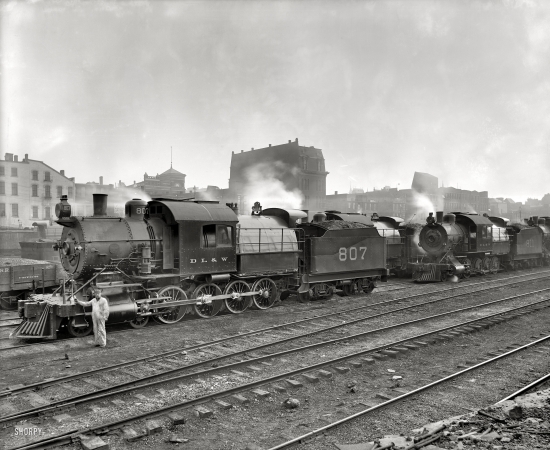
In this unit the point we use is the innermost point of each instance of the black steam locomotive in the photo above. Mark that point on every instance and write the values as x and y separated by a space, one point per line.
461 244
166 258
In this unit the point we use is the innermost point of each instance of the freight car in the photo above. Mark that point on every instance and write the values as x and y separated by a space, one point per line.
461 244
166 258
20 277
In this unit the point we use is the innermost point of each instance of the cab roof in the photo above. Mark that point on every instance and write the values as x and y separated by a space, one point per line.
198 211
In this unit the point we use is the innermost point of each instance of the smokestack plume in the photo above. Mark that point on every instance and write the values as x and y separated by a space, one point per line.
100 204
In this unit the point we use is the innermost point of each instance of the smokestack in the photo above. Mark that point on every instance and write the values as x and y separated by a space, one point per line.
101 181
439 216
62 172
100 204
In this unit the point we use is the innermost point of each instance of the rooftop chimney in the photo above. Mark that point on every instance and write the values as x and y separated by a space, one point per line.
270 145
101 181
26 156
9 156
62 172
289 141
335 192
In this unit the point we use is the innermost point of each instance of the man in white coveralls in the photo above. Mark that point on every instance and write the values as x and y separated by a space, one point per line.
100 313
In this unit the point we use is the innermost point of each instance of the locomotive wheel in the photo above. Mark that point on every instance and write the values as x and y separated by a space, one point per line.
268 294
467 268
477 266
173 314
322 291
237 303
139 321
494 265
208 308
79 331
486 264
368 286
350 289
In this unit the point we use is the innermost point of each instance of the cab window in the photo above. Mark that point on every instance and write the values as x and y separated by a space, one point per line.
225 236
216 236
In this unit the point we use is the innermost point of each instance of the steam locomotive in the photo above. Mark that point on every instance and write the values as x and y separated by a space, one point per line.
166 258
461 244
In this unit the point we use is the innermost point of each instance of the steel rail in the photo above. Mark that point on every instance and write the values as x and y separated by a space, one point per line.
524 389
121 422
343 311
136 384
307 436
43 384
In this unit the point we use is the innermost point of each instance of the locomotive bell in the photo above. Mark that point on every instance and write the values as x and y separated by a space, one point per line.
63 209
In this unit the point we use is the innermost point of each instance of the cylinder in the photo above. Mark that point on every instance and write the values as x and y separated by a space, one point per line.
439 216
100 204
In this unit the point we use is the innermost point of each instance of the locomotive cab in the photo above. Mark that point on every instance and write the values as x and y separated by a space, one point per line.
198 237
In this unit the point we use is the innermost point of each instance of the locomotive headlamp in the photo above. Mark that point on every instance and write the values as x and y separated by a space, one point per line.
63 209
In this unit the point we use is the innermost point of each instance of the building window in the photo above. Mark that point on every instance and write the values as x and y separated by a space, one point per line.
2 170
59 191
35 190
47 192
2 210
15 210
70 191
35 212
14 189
47 212
14 171
2 188
35 175
47 176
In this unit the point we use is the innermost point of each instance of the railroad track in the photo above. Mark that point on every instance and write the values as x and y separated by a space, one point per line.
385 349
431 437
320 323
297 307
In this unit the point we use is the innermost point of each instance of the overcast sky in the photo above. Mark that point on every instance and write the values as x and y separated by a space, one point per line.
457 89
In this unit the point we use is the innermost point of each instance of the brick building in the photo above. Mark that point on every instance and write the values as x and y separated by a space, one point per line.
287 173
169 184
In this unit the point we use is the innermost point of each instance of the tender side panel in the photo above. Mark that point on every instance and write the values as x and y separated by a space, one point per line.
343 254
528 242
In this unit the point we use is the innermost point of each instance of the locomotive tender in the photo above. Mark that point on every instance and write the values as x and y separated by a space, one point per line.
166 258
460 244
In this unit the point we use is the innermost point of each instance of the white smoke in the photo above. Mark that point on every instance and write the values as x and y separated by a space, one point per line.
263 184
423 206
